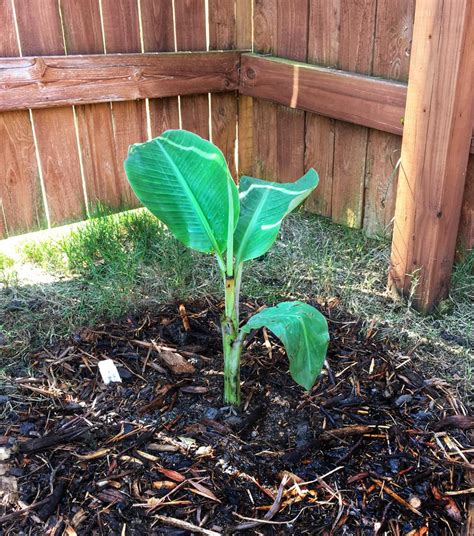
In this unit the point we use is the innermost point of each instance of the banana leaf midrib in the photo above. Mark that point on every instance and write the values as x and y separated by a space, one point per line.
194 201
250 227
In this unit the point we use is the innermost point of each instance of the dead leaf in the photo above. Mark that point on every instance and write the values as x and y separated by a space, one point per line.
290 477
173 475
449 504
173 361
202 490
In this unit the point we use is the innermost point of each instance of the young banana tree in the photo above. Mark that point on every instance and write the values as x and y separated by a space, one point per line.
184 181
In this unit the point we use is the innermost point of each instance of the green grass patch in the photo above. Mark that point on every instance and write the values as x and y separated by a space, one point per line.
128 263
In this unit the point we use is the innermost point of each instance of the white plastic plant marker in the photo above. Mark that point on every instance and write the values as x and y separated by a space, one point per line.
109 371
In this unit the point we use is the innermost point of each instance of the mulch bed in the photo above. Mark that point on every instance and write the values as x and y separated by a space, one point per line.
374 448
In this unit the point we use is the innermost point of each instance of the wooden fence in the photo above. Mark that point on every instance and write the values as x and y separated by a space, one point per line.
325 87
56 159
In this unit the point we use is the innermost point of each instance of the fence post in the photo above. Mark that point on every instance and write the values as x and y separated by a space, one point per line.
435 150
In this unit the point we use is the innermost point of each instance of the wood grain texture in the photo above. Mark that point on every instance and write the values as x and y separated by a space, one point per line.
323 45
393 34
194 110
121 29
54 128
362 100
50 81
158 36
243 16
292 43
355 51
435 150
222 35
83 35
21 204
466 224
265 140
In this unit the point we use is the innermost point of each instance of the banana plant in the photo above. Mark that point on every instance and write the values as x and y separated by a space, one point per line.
184 180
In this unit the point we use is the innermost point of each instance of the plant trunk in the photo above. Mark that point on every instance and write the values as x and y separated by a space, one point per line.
232 345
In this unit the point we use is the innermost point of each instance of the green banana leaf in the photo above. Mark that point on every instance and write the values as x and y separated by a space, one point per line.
263 206
184 181
304 332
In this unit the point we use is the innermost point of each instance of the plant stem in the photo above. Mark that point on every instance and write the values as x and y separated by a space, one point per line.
232 343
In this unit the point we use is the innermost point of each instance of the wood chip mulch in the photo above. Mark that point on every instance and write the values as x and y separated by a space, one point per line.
374 448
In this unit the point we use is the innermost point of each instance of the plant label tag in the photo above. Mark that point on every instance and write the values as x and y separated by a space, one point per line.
109 371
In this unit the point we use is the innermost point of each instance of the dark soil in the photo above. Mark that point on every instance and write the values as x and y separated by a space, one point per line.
374 448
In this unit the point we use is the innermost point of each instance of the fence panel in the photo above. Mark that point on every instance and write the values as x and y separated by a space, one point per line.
21 200
122 34
102 175
393 34
159 36
56 161
323 46
356 43
40 33
222 35
194 109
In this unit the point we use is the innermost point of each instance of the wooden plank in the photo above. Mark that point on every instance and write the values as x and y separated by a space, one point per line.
21 204
243 15
45 82
292 43
83 35
393 34
222 35
191 35
362 100
122 35
356 40
265 160
466 224
435 150
323 44
158 36
55 132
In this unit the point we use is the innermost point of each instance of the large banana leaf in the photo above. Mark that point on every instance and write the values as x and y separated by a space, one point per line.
304 333
263 206
184 181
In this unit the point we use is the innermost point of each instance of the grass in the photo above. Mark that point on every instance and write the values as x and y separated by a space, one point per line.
128 263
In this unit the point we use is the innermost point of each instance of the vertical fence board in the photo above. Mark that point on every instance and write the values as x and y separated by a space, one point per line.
158 36
21 205
83 35
292 43
466 224
194 109
265 161
122 34
323 47
243 14
393 33
222 35
39 27
435 150
356 40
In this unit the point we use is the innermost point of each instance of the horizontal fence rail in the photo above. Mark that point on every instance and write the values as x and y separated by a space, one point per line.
48 81
362 100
